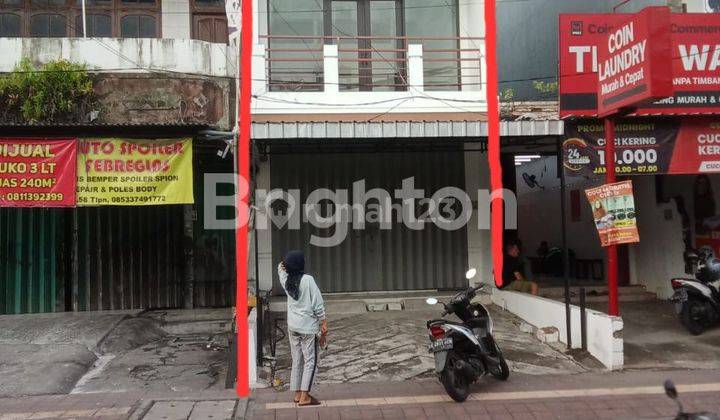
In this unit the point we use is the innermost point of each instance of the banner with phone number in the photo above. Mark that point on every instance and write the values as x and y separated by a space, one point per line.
37 172
644 147
120 172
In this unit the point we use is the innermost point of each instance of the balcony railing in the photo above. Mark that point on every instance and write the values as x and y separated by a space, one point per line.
361 71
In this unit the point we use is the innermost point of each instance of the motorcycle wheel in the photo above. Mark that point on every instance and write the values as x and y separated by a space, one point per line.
501 371
692 316
454 382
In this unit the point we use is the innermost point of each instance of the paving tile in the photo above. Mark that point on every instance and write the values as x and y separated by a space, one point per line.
172 410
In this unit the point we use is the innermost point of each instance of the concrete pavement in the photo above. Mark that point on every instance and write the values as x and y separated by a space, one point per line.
655 339
48 353
216 405
392 346
628 395
110 352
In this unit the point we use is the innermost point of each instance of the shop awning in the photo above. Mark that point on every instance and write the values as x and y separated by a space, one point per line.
400 129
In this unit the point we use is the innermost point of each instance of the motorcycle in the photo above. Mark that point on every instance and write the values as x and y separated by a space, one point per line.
697 301
464 351
671 392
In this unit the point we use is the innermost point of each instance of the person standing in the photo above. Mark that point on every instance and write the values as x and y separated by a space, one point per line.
307 326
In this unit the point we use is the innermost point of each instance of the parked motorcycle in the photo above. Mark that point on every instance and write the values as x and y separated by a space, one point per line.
697 301
671 392
464 351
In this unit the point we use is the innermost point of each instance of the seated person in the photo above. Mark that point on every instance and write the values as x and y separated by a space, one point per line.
513 273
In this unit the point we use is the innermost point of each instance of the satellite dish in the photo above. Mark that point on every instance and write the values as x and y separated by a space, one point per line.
531 181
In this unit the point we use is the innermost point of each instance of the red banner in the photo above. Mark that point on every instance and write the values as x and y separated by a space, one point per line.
38 173
695 56
633 62
648 147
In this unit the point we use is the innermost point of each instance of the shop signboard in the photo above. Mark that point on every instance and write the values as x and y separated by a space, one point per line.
694 57
633 63
37 172
647 147
121 172
613 209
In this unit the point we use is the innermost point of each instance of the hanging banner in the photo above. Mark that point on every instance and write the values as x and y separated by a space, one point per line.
687 146
695 60
633 63
613 208
117 172
37 172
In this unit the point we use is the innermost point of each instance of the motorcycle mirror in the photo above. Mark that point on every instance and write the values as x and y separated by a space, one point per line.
470 273
431 301
670 389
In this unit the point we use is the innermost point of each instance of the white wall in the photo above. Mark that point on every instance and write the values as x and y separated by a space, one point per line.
604 332
471 22
122 54
658 256
265 262
477 176
696 6
176 19
539 211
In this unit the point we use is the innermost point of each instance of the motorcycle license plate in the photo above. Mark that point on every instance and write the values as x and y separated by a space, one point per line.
440 345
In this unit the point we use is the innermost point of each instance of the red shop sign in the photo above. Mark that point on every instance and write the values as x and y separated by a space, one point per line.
38 172
634 62
694 57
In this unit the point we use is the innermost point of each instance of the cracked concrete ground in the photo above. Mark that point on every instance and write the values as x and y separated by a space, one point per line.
155 352
392 346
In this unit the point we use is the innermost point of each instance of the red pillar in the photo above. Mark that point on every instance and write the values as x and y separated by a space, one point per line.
496 185
243 192
612 264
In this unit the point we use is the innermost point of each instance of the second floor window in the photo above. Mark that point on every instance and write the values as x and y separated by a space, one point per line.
97 25
372 38
63 18
48 25
138 26
209 22
9 25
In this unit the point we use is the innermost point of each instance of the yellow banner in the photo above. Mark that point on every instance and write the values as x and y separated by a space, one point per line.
123 172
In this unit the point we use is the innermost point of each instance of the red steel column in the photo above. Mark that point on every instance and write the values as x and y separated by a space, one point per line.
243 192
496 185
612 263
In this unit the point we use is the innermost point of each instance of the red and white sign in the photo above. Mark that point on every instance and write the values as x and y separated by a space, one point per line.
695 58
38 173
648 147
633 63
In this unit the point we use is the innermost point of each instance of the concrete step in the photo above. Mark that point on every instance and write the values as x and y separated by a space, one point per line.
194 321
198 327
551 292
599 294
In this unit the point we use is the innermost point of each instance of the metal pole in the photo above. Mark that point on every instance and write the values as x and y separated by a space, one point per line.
75 264
84 19
566 261
611 249
258 303
583 320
